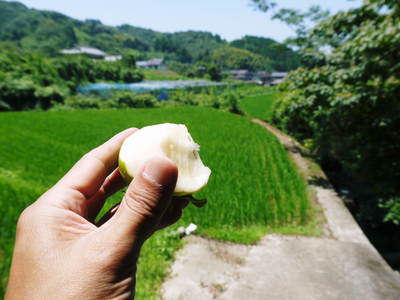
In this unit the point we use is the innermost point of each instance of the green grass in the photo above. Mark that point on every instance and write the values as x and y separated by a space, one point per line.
254 187
260 106
161 75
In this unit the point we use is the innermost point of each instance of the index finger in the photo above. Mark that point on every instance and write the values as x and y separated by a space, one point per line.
89 173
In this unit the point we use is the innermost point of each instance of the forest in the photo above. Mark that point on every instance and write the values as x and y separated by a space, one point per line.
49 32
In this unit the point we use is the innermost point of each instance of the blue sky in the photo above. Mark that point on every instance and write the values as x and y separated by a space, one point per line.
231 19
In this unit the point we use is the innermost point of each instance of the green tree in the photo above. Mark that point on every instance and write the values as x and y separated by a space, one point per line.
214 72
129 59
344 103
235 58
282 58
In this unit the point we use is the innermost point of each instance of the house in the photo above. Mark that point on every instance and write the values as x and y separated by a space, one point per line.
277 78
85 50
154 64
260 77
112 58
242 75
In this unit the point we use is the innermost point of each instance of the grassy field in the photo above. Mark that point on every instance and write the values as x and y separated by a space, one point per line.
260 106
254 187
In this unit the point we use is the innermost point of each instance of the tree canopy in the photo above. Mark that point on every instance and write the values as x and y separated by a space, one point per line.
29 80
235 58
344 103
49 32
281 57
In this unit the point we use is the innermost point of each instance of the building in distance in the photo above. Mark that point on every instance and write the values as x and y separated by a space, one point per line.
87 51
112 58
277 78
153 64
260 77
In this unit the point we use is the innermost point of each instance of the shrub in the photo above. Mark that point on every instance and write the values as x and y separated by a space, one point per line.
125 99
81 102
225 100
347 103
131 75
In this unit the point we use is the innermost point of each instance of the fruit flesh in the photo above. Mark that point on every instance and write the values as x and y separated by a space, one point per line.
169 140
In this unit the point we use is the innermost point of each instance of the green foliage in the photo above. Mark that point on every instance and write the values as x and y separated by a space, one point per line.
393 208
148 36
175 51
200 45
264 5
9 11
210 71
79 102
226 100
79 69
235 58
254 184
130 75
162 75
125 99
346 102
118 100
301 22
29 81
187 70
245 90
49 32
282 58
129 59
214 72
222 99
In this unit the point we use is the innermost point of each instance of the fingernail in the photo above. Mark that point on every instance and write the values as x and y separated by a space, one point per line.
158 170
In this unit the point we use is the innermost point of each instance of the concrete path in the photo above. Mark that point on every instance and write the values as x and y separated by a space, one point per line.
340 265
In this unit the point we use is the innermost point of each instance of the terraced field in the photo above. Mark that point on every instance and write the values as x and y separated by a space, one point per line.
254 187
260 106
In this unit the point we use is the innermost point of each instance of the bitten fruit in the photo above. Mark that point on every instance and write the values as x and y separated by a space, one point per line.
172 141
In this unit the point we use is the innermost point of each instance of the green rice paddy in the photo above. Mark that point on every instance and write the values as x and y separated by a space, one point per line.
260 106
254 187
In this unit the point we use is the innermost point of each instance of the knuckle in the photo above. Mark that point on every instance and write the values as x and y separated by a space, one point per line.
88 155
25 220
144 201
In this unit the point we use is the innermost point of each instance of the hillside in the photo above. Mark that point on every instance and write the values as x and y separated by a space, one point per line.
282 58
47 32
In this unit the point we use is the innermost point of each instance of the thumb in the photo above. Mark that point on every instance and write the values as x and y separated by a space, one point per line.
146 200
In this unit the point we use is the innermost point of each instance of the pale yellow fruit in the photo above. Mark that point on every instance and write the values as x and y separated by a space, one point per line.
169 140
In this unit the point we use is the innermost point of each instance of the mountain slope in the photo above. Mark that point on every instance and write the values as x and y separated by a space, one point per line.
48 32
282 57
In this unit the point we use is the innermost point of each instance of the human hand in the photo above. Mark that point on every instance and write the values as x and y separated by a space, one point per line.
60 253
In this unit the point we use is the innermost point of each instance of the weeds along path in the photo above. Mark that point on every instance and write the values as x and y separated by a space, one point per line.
341 264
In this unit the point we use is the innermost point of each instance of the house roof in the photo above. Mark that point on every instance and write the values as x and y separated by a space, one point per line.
151 62
262 74
113 57
277 81
279 74
85 50
239 72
